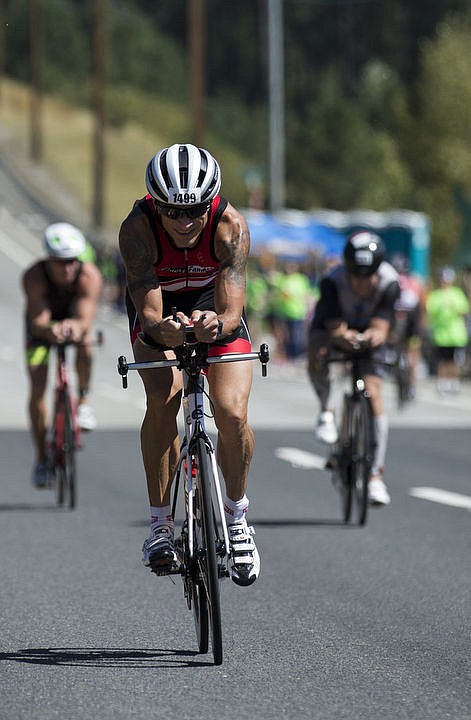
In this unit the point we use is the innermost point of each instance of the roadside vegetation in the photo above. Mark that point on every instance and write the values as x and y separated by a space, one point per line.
377 99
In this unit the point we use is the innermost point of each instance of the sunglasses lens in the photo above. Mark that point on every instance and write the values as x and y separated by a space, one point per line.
190 212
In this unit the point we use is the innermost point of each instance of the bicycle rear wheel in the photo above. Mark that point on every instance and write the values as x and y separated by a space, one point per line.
362 458
206 553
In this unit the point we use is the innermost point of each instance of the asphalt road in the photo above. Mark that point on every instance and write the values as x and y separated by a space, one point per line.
343 622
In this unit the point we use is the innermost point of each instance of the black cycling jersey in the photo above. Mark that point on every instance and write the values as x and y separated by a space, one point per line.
338 301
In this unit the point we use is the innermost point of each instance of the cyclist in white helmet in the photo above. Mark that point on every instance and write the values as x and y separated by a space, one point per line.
185 246
61 294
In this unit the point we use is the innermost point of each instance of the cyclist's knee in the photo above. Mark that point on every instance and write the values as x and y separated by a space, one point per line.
160 400
38 380
374 386
232 418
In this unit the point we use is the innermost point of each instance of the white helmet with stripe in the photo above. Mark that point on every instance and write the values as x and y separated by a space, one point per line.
183 175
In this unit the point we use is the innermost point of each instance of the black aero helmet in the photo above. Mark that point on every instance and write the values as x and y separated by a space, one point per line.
363 253
183 175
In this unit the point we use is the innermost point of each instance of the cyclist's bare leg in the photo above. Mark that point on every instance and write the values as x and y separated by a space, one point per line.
318 370
83 366
230 385
159 431
37 408
373 386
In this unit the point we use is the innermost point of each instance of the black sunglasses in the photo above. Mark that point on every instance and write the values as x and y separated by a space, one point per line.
174 213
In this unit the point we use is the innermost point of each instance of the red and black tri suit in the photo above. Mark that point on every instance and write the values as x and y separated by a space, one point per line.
187 276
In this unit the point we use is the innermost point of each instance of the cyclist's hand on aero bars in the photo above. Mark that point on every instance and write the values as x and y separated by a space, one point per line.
206 325
171 330
68 330
353 338
373 337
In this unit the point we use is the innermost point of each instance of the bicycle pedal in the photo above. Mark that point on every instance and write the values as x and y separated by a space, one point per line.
167 569
331 463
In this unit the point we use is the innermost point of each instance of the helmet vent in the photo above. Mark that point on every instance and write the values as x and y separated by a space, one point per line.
164 171
183 163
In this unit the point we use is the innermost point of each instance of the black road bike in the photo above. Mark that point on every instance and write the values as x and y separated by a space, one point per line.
353 454
202 547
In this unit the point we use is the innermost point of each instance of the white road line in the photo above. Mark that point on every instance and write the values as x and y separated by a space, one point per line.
444 497
300 458
15 252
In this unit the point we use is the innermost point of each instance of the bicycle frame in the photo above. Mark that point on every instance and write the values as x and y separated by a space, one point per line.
64 436
193 417
61 393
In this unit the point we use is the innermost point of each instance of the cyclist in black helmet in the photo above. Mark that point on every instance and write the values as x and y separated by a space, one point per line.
356 303
185 246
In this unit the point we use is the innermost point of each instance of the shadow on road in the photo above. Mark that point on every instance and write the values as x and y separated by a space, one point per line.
26 507
106 657
301 522
275 522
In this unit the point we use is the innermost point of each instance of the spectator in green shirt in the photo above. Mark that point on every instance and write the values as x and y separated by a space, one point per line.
447 307
291 301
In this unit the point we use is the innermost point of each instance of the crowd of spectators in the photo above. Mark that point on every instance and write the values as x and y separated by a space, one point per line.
282 294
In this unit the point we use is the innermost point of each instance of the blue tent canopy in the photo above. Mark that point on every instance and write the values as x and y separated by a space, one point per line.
292 234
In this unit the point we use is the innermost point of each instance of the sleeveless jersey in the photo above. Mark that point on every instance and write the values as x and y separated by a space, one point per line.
182 269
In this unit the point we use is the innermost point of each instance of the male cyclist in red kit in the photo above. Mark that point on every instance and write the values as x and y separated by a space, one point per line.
185 246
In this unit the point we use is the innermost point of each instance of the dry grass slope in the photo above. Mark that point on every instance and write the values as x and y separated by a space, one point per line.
68 146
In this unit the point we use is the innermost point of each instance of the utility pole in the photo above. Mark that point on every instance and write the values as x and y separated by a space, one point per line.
99 89
276 104
196 18
2 45
36 38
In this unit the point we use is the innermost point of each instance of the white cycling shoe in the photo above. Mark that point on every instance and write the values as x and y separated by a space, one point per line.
86 417
326 429
244 560
158 550
377 491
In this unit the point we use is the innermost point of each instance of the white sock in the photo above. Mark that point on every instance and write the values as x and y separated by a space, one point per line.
235 510
161 516
382 426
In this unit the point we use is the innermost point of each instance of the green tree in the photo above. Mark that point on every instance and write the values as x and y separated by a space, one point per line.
439 139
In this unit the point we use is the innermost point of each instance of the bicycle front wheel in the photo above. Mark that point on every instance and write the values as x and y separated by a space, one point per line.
69 467
56 458
362 457
206 551
195 591
343 468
